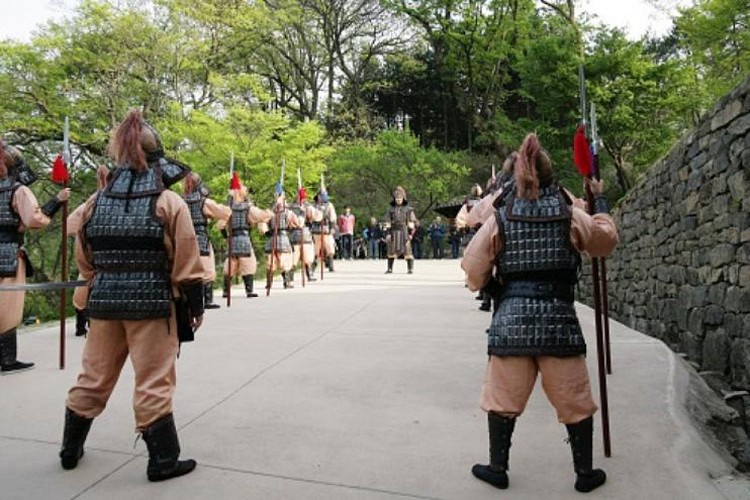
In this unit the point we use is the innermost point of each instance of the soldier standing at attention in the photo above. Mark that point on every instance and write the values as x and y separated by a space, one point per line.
136 248
534 241
243 261
325 246
19 212
400 223
278 247
301 237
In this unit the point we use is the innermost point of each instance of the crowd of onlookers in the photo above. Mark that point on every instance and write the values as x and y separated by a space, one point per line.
439 240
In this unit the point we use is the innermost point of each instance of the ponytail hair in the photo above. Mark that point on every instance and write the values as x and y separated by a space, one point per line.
3 167
102 176
125 144
525 168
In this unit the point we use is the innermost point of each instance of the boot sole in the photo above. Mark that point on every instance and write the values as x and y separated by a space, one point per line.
17 370
189 467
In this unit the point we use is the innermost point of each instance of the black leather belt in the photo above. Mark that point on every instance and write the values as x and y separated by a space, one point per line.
539 290
11 236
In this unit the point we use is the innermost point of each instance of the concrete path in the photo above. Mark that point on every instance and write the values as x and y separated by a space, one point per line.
362 386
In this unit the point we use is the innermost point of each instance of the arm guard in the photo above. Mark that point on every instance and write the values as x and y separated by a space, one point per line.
194 295
51 207
600 205
187 306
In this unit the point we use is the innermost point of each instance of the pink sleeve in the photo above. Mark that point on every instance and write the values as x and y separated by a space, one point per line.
595 235
27 208
479 256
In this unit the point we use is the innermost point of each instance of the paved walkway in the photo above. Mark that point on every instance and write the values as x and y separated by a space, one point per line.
364 386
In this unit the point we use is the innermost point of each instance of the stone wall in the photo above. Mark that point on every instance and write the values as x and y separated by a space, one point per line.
681 272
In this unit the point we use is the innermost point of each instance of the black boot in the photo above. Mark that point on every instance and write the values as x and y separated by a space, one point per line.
74 436
227 286
581 443
496 473
410 266
208 296
8 352
329 264
248 279
390 265
81 321
164 451
289 279
309 273
486 301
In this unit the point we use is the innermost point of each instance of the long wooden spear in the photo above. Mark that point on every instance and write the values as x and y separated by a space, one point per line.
228 270
602 261
302 229
60 176
582 156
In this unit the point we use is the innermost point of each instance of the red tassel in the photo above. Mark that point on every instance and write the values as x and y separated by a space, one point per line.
582 152
302 194
235 183
59 171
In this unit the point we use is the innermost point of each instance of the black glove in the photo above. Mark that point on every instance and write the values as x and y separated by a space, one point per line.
51 207
194 295
188 306
600 204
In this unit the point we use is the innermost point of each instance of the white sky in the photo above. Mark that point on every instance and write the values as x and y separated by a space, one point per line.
637 17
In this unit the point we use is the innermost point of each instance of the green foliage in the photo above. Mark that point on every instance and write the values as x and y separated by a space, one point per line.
716 36
326 86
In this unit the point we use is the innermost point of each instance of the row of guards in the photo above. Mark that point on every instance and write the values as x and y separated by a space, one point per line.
298 233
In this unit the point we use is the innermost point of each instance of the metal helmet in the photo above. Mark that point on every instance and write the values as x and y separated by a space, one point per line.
151 142
17 167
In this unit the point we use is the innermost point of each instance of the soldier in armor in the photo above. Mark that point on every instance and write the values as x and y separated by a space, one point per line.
534 241
243 261
322 230
301 237
136 248
203 208
400 223
279 246
19 212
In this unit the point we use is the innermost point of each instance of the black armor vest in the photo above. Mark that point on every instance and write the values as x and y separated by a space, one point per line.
242 245
324 226
132 278
299 235
538 268
196 202
10 238
279 230
399 216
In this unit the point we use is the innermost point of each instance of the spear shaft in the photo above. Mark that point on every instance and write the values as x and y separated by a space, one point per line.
596 282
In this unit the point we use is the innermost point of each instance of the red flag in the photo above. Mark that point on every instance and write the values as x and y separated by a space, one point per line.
59 171
235 183
582 152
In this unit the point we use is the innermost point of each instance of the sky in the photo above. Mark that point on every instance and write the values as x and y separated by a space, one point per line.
636 17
